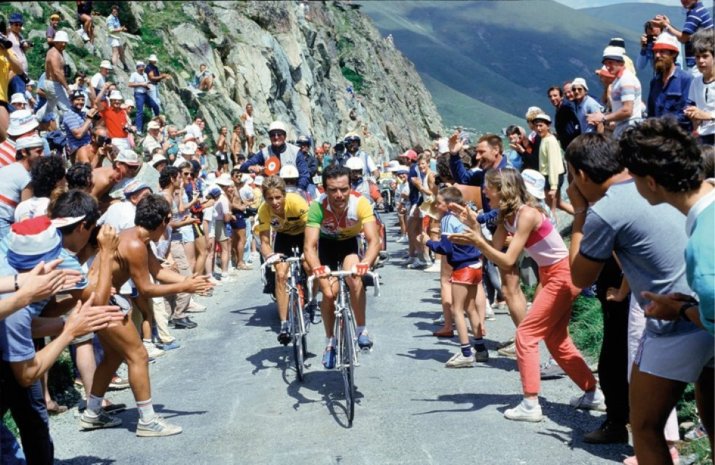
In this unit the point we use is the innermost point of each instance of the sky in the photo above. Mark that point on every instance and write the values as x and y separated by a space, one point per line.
592 3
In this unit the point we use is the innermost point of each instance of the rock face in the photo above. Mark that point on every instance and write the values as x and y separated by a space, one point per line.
289 59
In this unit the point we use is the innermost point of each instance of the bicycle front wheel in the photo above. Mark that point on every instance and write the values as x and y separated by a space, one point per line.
298 335
347 359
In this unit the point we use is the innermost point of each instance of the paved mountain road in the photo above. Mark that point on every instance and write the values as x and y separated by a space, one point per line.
234 391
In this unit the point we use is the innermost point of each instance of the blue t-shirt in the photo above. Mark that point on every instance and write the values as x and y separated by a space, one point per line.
648 241
700 257
72 120
698 18
458 256
584 108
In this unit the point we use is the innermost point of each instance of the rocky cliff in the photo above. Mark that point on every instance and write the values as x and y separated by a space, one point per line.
320 66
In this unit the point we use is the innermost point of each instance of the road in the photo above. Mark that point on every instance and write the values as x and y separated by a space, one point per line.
234 391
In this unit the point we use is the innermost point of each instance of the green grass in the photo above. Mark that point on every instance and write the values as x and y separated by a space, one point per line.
355 78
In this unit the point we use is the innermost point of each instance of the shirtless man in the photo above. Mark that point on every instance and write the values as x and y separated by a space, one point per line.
126 165
247 119
56 87
101 147
134 259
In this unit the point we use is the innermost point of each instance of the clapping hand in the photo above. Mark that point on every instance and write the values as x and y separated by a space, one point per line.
467 216
455 143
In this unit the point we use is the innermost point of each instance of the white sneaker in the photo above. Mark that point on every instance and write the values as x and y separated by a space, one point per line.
401 240
410 261
436 267
152 350
458 360
195 307
84 35
523 413
593 400
490 314
417 264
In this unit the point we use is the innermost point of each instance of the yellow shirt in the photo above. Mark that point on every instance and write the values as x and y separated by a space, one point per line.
293 221
348 225
5 68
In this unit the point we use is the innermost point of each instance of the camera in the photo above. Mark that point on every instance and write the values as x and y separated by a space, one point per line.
5 42
650 39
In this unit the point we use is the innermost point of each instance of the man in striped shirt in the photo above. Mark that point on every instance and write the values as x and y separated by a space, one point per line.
698 17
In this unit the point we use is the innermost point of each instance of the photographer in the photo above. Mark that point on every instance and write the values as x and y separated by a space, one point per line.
78 125
651 31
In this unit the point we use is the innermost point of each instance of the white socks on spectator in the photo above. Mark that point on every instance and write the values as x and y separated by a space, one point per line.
146 410
94 405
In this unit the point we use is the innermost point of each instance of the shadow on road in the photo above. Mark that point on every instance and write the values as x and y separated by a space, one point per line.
85 460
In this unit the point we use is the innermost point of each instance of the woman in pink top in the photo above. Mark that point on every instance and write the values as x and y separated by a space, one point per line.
548 318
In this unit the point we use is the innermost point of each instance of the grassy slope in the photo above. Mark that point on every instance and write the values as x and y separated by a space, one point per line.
633 15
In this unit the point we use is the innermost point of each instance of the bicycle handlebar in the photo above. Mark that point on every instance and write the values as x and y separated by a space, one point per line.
282 260
341 274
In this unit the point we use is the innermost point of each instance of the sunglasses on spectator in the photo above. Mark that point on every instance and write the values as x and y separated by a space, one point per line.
186 173
273 134
577 89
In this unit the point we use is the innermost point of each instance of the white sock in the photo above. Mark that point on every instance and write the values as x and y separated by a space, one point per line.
361 330
146 410
329 342
94 405
530 403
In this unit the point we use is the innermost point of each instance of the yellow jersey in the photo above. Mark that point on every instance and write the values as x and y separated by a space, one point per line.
294 219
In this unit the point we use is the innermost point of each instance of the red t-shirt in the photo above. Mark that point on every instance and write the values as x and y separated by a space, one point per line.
115 121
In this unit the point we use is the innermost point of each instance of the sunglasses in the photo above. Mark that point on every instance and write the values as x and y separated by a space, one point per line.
276 134
577 89
186 174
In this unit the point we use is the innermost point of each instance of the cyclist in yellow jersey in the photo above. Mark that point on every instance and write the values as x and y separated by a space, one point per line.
335 220
286 214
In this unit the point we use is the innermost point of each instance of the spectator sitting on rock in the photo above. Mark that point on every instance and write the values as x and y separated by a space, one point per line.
52 28
84 13
204 80
78 128
114 27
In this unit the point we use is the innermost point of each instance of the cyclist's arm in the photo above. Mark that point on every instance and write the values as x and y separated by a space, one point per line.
266 249
372 234
310 247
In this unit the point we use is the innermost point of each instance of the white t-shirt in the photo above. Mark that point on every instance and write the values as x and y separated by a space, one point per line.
32 207
139 78
119 215
150 144
195 131
97 81
221 208
697 96
13 179
248 125
626 88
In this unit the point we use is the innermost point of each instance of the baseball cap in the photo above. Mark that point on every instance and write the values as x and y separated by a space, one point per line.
16 18
666 41
128 157
410 155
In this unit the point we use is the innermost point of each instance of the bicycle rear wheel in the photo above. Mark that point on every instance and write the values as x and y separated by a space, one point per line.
347 359
298 335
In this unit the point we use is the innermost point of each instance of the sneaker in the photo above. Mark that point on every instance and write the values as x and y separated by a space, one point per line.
551 370
152 350
593 400
458 360
284 335
436 267
329 358
119 383
169 345
101 420
410 261
401 240
674 456
417 264
500 307
490 314
439 321
310 311
508 350
157 427
195 307
364 341
608 433
481 356
522 413
506 343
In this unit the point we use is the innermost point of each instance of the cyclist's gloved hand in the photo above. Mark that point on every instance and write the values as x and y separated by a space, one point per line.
362 268
273 258
321 271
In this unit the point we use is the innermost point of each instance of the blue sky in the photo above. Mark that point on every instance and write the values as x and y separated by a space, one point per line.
593 3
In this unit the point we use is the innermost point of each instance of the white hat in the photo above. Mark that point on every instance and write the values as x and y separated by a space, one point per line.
29 142
613 53
129 103
21 122
18 98
152 57
354 164
402 169
666 41
581 82
129 157
277 126
134 187
245 177
534 182
153 125
542 117
140 64
443 145
115 95
211 178
61 36
258 181
106 64
188 148
392 165
289 172
246 194
158 158
224 180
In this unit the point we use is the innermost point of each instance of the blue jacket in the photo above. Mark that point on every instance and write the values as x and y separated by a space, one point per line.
474 178
300 162
458 256
672 98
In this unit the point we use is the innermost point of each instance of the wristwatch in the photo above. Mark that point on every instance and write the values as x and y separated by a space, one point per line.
685 307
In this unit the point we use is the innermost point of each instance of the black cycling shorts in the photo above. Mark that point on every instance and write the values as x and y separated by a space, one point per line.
284 243
332 253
